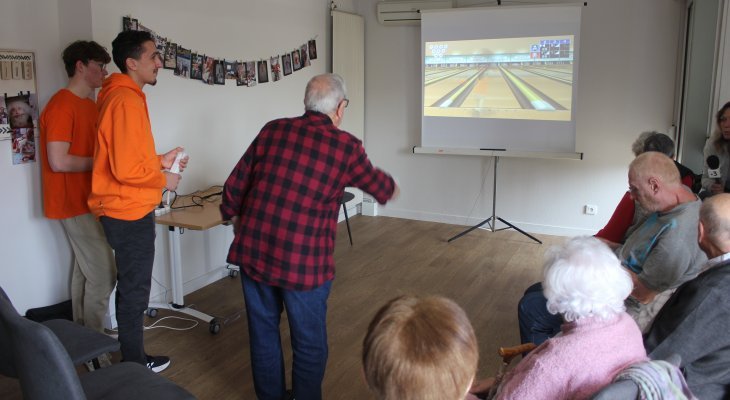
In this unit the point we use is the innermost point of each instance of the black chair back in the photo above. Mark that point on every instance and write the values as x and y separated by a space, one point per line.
7 361
37 357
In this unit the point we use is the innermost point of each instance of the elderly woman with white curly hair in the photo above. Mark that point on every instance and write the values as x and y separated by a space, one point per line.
585 283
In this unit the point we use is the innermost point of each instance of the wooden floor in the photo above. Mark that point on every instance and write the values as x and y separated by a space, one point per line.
484 272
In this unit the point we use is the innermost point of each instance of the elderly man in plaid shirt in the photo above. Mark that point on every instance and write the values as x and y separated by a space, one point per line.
283 198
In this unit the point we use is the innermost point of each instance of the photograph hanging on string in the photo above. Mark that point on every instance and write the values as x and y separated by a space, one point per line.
193 65
304 57
23 145
286 60
312 49
263 71
220 73
182 69
209 70
250 79
160 43
170 59
295 60
230 70
275 69
196 66
129 24
240 73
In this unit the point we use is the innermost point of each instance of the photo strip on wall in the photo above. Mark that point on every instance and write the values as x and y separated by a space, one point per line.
196 65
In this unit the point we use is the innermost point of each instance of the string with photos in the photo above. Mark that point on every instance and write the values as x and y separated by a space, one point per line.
211 70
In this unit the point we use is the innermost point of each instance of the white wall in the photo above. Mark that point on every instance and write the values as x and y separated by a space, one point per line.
626 85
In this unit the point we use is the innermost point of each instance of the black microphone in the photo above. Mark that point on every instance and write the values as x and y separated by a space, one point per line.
713 168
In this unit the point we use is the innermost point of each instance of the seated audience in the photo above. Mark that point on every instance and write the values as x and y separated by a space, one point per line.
626 213
694 322
718 145
585 284
660 253
420 349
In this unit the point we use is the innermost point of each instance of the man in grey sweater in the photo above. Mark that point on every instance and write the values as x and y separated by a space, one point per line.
695 321
660 251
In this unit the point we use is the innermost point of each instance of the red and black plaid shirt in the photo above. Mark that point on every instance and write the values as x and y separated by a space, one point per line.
287 189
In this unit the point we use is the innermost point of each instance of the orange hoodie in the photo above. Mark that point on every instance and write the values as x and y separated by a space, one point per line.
126 178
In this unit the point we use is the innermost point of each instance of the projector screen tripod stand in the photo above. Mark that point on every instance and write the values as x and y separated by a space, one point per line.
492 221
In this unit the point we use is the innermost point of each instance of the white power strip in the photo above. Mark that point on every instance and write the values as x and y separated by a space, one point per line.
162 211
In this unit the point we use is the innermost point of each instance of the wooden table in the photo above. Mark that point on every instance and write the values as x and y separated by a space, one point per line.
198 218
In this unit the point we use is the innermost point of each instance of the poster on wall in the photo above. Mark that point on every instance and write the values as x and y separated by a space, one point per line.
18 103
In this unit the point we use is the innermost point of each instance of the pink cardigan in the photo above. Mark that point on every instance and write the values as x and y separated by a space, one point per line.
578 362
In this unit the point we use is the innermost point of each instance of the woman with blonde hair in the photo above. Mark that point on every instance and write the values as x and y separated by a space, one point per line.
420 349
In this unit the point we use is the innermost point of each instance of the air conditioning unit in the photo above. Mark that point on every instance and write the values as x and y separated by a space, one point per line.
407 12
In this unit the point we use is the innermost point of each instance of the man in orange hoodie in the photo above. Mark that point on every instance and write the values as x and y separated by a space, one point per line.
127 184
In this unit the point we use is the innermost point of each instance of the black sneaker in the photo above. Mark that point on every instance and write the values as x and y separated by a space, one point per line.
158 363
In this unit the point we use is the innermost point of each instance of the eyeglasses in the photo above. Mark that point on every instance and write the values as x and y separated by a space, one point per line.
100 64
347 102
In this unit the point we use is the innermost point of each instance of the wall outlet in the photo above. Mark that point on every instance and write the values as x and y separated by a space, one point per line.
590 209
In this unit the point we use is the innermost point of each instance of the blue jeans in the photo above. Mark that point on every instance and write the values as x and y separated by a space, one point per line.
536 323
307 315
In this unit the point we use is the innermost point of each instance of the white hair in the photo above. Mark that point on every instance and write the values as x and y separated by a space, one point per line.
583 278
324 93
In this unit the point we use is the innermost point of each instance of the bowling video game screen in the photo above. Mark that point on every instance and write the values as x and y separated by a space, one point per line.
528 78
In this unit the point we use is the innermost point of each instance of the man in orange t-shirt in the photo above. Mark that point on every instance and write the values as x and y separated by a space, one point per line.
127 184
68 136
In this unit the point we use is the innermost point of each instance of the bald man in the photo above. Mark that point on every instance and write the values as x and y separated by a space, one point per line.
694 323
660 252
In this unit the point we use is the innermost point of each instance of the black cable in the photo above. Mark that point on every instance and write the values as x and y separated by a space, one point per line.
196 199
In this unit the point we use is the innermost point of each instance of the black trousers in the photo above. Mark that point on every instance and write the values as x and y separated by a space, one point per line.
134 251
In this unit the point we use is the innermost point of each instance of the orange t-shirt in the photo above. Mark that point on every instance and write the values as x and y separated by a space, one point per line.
67 118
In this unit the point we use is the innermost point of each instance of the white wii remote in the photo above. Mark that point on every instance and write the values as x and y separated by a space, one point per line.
175 169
